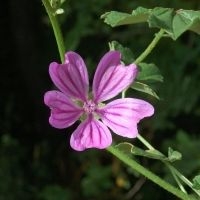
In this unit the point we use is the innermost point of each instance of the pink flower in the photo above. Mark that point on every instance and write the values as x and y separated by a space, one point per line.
74 102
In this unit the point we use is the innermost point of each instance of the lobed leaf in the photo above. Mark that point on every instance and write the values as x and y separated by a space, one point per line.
144 88
173 155
150 153
174 22
149 72
130 148
115 18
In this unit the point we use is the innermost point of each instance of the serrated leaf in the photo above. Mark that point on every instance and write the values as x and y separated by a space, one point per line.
173 155
150 153
161 18
196 182
149 72
144 88
114 18
130 148
194 16
127 55
174 22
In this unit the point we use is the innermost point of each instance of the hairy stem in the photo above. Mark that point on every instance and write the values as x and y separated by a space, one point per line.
145 172
56 29
151 46
147 51
173 170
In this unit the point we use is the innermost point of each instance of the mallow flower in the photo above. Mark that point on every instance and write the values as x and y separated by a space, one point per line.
73 101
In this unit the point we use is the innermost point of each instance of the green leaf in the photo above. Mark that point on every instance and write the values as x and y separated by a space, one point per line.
174 22
125 147
130 148
144 88
149 72
150 153
154 154
161 18
127 55
114 18
196 182
173 155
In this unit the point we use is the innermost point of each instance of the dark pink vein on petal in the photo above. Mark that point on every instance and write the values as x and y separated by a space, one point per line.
82 82
117 83
101 112
63 83
105 84
73 84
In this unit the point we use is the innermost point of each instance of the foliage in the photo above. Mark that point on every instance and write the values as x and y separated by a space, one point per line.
36 165
186 143
174 22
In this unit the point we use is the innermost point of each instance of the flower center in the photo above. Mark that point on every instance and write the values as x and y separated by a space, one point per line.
89 106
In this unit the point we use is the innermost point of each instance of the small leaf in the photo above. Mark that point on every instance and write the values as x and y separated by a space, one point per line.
125 147
150 153
149 72
154 154
196 182
161 18
174 22
144 88
114 18
130 148
127 55
173 155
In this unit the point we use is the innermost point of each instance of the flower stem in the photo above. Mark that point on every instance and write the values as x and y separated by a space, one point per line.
147 144
151 46
173 170
145 172
183 178
147 51
56 29
176 178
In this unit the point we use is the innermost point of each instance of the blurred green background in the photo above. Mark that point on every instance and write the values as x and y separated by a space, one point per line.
36 161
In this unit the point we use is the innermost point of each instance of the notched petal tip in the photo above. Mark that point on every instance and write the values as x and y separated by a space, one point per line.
123 115
114 80
90 134
63 111
71 77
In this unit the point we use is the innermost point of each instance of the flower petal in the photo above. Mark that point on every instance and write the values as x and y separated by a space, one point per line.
63 111
122 115
71 77
111 77
91 134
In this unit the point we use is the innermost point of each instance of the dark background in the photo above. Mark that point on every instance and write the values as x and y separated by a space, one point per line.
36 161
